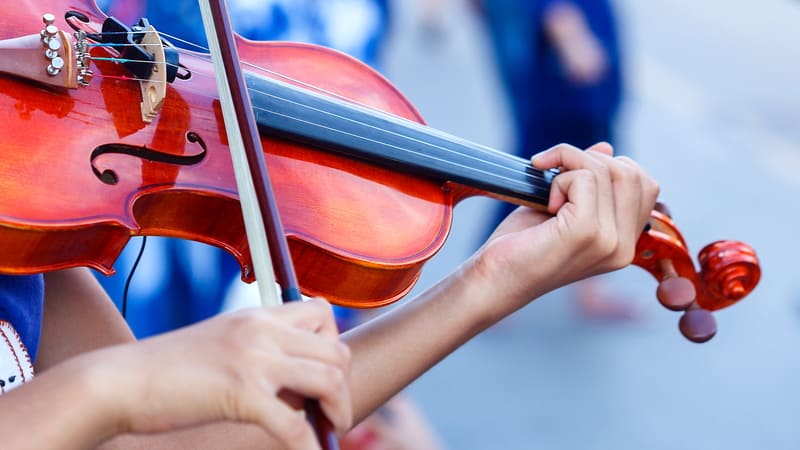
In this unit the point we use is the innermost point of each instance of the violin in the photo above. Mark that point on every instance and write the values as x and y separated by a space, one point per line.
112 132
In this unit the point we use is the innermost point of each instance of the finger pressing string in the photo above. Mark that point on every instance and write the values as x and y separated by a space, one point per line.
602 147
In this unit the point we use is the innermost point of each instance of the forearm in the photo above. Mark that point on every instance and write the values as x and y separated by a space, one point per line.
394 349
61 408
227 435
79 319
75 405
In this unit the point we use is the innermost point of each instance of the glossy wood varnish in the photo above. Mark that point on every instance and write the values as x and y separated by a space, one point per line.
358 233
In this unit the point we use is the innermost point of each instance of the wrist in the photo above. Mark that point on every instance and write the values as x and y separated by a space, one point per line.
104 402
491 291
495 287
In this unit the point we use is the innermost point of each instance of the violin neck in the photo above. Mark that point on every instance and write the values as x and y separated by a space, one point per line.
386 140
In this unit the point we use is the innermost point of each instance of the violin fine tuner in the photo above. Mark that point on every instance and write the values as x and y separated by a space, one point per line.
143 53
141 50
82 59
46 57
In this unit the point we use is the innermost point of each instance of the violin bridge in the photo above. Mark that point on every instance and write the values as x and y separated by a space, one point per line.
47 57
154 88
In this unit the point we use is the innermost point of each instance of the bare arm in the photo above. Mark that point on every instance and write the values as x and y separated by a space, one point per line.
94 382
600 206
62 399
243 363
78 317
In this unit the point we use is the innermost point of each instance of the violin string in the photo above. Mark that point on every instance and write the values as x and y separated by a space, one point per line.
207 58
522 169
292 80
430 130
521 163
532 177
510 158
124 60
421 128
160 34
110 44
183 41
468 168
522 166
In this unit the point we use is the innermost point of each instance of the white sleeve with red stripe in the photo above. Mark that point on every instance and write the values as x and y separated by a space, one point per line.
15 363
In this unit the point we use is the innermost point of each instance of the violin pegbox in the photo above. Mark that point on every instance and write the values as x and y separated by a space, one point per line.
729 271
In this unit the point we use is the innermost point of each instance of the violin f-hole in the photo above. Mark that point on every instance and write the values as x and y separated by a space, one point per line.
110 177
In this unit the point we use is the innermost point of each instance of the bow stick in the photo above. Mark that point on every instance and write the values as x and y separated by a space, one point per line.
265 234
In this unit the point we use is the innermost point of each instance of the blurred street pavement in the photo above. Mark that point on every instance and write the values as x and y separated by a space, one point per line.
713 112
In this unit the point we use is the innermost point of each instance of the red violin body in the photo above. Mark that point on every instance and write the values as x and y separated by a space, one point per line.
83 171
358 233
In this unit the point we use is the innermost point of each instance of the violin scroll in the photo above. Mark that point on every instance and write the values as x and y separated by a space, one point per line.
729 271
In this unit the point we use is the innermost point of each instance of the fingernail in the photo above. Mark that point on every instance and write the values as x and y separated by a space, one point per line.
537 157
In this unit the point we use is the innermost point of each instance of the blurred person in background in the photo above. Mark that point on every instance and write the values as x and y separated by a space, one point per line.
560 65
194 276
356 27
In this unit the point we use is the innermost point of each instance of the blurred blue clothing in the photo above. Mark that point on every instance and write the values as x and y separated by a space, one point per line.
356 27
548 107
21 305
181 282
178 282
558 95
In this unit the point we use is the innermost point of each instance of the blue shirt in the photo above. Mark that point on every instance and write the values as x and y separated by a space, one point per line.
21 305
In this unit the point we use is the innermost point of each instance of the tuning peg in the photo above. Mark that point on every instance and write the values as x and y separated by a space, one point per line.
697 325
729 271
674 292
662 208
